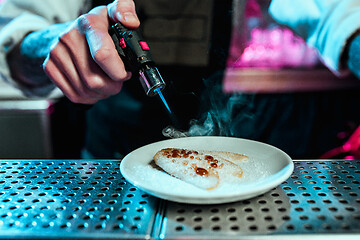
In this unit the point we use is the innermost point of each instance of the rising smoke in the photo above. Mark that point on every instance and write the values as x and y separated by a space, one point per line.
219 116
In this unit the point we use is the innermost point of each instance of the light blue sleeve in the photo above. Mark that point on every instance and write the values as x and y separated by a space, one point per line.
325 25
20 17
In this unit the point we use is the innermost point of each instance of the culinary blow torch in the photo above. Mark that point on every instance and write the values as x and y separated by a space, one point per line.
135 53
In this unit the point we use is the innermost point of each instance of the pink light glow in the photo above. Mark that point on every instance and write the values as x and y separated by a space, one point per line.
347 147
275 48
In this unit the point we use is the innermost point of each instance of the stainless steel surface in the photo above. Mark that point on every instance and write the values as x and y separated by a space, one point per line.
22 105
320 197
25 129
90 200
71 199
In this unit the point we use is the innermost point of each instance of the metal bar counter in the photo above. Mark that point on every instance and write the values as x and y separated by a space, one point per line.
87 199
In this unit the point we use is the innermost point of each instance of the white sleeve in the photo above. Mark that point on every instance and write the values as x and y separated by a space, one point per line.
19 17
324 24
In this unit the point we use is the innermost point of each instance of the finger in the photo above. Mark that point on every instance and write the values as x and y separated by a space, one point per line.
97 80
124 11
91 74
65 64
102 48
61 82
104 53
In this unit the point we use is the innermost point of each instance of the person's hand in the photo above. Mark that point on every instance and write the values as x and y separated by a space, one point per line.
84 63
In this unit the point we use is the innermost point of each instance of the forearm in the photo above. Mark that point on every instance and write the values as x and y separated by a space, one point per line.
26 59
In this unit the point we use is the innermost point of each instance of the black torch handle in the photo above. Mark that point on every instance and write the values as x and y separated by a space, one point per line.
132 48
135 53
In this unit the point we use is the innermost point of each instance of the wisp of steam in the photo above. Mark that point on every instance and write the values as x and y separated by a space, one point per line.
217 120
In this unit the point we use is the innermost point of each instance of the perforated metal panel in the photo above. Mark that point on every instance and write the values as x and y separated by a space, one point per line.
71 199
321 197
91 200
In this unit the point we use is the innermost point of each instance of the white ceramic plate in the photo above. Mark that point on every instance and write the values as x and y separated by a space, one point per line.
266 168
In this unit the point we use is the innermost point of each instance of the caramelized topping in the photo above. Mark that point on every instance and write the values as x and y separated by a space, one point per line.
175 153
214 165
186 164
201 172
182 153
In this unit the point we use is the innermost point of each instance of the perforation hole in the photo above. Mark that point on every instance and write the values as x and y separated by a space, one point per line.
198 228
179 228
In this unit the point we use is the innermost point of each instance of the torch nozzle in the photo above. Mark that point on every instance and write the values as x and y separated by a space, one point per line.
151 80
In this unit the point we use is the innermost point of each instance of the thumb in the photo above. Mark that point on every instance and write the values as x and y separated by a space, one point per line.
124 11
